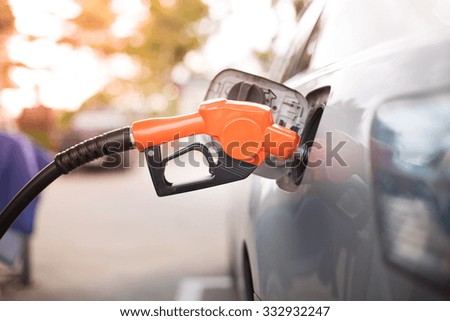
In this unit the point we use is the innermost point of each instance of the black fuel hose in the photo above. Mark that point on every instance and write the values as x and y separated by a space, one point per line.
112 142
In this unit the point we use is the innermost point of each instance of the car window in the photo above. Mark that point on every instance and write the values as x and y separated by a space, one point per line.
351 26
288 65
346 27
302 62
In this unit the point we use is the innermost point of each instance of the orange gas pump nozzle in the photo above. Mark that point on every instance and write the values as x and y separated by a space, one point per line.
245 130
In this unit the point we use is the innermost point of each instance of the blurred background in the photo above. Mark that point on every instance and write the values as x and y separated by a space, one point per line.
71 69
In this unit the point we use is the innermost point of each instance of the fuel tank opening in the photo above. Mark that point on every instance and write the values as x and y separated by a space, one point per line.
308 135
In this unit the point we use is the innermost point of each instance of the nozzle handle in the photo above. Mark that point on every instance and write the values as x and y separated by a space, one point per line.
225 170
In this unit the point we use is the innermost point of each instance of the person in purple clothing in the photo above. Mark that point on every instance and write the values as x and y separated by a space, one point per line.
20 160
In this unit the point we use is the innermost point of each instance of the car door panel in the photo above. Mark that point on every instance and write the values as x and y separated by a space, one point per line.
322 242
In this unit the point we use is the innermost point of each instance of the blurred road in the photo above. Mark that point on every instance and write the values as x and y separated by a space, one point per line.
105 235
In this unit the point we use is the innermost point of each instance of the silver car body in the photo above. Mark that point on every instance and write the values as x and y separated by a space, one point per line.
325 241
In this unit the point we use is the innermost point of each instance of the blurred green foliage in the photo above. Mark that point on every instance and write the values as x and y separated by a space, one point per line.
161 42
166 38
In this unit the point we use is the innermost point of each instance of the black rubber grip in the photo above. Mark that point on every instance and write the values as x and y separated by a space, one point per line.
106 144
